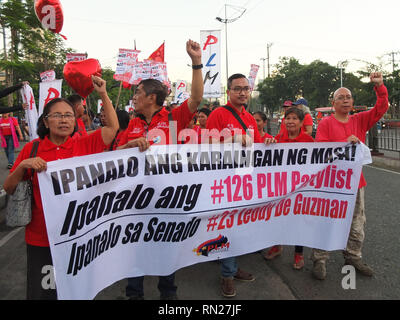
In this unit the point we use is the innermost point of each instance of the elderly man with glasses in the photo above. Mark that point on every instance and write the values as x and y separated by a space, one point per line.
341 126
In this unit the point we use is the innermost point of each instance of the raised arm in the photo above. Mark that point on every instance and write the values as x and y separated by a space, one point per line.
196 95
109 131
370 117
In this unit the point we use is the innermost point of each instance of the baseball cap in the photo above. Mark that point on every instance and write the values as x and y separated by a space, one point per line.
301 101
287 103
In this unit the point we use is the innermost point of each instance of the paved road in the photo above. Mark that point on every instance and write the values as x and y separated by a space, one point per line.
275 280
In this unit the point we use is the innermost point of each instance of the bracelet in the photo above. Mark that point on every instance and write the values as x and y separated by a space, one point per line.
197 66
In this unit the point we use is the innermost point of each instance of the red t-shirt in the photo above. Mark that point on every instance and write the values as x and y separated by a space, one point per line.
302 137
157 132
35 232
6 127
221 119
308 121
330 129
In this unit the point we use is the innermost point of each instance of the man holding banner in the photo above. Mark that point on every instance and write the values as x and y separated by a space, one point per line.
234 118
341 126
153 126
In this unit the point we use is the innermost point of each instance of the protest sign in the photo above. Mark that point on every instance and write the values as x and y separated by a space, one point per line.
127 59
211 60
76 57
31 113
48 91
49 75
126 213
253 75
181 93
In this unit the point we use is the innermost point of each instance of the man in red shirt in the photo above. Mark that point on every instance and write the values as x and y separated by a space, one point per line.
152 126
231 130
224 120
341 126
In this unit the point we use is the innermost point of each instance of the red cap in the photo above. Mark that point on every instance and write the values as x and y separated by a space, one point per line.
287 103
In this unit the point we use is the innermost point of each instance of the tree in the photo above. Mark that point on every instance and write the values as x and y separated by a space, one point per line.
31 49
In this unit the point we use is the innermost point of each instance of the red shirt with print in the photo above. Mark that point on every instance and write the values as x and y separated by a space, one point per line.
35 232
221 119
157 132
6 127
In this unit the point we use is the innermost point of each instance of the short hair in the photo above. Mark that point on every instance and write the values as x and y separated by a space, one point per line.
123 119
42 131
234 77
337 90
153 86
262 115
298 112
74 99
206 111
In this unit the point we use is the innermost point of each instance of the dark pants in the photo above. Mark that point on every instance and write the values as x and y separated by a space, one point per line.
9 149
38 275
166 286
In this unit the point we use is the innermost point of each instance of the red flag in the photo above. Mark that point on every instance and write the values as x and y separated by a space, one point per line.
158 55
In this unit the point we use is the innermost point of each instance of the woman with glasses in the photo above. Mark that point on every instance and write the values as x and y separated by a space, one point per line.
56 127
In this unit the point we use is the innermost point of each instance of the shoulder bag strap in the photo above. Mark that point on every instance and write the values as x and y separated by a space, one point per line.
237 118
33 153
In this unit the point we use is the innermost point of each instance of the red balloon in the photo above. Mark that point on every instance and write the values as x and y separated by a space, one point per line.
78 75
50 14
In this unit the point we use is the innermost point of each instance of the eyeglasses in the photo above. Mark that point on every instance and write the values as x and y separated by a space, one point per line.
240 89
59 116
341 98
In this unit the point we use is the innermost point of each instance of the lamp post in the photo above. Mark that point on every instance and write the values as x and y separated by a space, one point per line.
341 66
226 21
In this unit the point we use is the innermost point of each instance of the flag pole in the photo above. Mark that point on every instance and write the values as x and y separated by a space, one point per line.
119 93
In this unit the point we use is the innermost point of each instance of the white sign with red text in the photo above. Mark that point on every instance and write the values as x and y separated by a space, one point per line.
127 59
48 91
48 76
253 75
127 214
211 60
76 57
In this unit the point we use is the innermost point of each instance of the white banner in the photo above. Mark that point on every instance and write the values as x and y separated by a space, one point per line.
211 59
31 113
48 91
120 214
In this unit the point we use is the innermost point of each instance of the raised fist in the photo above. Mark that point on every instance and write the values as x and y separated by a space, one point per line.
376 78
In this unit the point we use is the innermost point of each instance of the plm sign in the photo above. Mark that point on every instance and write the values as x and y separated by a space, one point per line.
211 59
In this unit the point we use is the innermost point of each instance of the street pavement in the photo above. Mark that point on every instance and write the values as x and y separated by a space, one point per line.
275 280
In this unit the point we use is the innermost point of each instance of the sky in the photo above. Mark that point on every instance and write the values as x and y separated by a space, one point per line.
330 31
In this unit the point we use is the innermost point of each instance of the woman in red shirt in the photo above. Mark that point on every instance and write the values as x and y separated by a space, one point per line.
56 127
9 140
261 120
294 118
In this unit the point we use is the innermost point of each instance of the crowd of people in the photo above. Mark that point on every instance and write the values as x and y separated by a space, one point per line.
65 130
